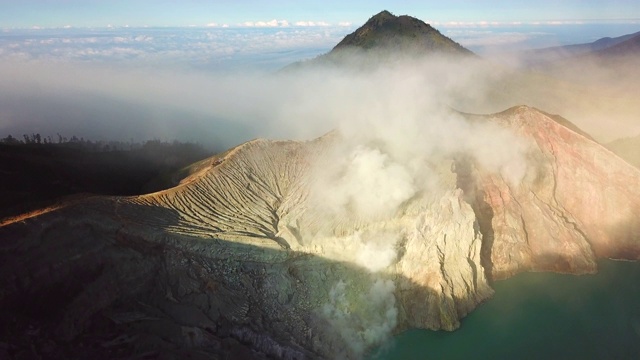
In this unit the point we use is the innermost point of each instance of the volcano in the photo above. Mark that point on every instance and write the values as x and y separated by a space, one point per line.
239 259
384 38
399 33
313 249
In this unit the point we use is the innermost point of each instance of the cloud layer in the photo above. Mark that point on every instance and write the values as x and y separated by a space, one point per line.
270 44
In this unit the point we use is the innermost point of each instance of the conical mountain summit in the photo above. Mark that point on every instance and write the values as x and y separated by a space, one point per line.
386 37
405 33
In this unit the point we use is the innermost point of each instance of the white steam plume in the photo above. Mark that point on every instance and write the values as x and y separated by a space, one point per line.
393 123
362 320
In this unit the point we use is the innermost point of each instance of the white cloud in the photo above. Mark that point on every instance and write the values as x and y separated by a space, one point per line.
472 38
270 23
487 23
195 46
312 23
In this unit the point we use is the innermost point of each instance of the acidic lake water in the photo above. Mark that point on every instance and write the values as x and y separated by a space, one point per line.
540 316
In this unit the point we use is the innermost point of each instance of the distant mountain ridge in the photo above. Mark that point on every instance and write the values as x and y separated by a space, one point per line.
630 46
597 45
606 47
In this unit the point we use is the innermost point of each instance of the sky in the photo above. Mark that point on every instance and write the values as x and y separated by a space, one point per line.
101 13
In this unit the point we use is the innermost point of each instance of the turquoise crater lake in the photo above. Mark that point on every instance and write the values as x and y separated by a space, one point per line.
541 316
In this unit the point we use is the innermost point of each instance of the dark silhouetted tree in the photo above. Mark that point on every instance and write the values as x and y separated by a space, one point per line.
10 140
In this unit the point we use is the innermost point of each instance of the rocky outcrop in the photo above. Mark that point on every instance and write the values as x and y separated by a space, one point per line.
244 260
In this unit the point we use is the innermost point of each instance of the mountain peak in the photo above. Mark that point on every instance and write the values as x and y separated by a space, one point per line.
403 33
385 37
382 16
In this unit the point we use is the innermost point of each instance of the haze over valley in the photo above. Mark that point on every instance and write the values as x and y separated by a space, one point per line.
121 82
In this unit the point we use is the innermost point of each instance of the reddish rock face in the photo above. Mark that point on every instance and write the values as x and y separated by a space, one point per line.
578 202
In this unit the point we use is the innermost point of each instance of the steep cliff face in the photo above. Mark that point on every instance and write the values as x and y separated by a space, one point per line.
245 257
575 205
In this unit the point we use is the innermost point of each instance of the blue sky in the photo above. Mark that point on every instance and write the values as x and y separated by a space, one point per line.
100 13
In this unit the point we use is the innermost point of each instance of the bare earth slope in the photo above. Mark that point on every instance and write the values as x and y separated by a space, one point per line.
241 261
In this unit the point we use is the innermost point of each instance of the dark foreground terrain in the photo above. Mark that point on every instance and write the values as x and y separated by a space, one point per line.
38 175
